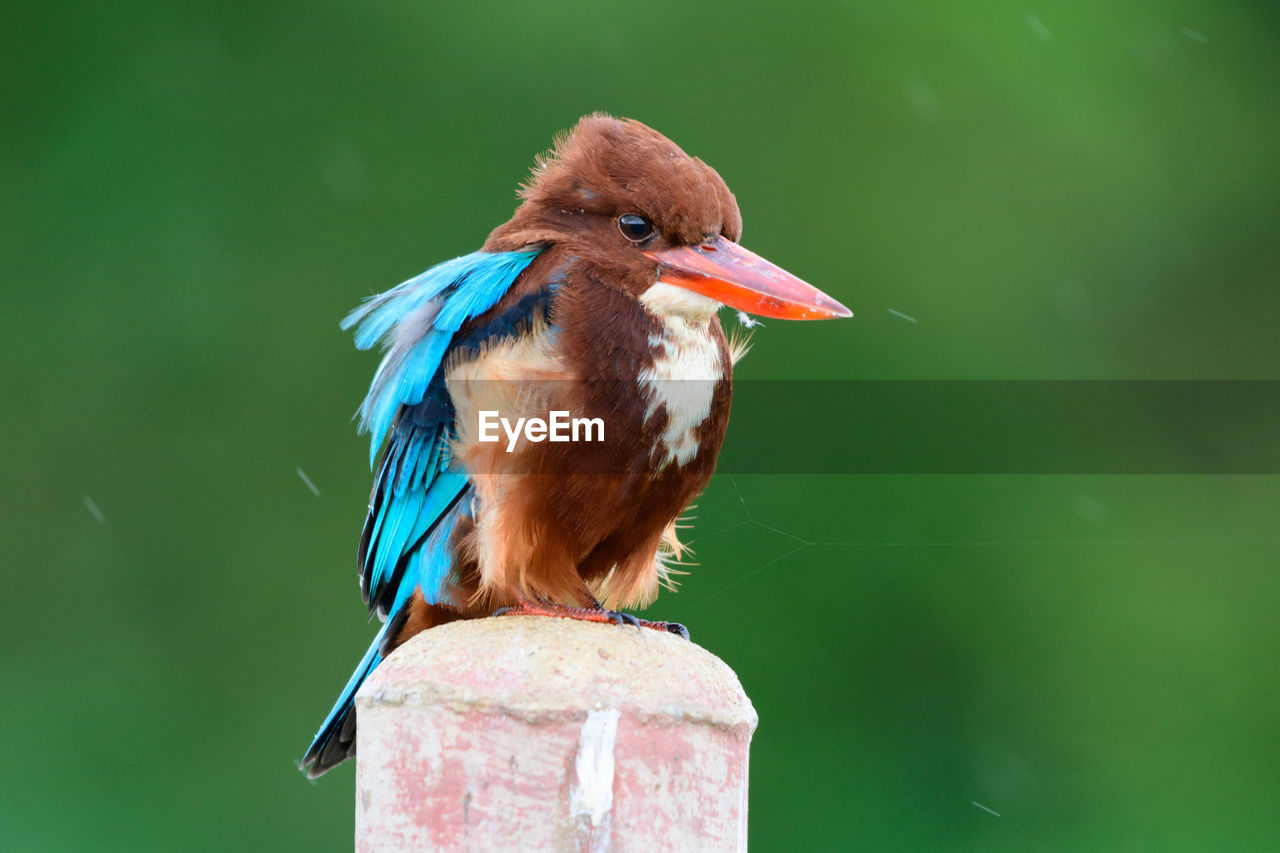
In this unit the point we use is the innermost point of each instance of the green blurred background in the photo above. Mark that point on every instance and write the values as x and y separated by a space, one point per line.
193 194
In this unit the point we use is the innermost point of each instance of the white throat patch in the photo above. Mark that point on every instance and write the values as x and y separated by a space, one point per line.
686 369
670 300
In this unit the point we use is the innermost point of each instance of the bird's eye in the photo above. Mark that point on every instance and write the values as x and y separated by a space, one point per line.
635 228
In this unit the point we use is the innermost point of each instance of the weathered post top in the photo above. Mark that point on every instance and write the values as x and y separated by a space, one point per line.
534 733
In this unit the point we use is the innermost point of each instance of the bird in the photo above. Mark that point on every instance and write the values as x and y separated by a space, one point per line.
599 298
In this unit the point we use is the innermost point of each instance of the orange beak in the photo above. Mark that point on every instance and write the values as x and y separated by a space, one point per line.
739 278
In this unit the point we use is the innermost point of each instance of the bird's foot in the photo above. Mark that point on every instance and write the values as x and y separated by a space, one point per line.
628 619
560 611
589 614
669 627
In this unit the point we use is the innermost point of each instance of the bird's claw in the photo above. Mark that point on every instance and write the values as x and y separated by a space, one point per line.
669 627
677 629
623 618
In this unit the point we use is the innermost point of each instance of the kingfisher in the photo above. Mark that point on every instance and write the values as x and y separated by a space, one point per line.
599 298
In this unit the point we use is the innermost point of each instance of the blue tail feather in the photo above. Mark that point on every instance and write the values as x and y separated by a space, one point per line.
335 742
418 494
431 563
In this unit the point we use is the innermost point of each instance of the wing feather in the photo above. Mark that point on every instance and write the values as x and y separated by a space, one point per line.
416 322
408 410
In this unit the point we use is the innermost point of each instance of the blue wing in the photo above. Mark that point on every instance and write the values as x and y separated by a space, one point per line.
418 494
416 322
416 482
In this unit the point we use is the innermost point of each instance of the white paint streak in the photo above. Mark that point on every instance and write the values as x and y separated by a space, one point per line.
591 797
903 316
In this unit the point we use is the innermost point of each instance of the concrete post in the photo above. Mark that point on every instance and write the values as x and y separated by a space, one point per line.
534 733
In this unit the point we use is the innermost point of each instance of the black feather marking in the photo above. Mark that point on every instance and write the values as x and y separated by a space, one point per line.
509 324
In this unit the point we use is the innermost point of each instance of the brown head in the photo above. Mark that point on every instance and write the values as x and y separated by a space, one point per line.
639 214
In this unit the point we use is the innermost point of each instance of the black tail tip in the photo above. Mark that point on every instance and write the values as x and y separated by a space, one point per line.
331 748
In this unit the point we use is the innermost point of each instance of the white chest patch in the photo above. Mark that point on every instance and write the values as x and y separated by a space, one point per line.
686 369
